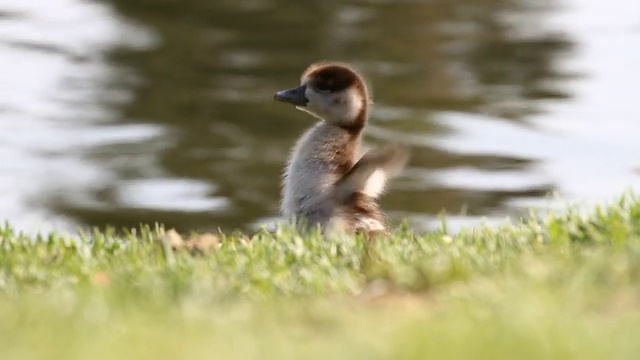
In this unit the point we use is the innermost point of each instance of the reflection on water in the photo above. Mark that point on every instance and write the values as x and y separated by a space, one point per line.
54 77
122 112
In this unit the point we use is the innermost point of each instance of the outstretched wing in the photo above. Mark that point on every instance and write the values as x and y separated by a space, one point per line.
370 174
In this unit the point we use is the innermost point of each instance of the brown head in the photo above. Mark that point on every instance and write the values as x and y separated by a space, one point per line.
333 92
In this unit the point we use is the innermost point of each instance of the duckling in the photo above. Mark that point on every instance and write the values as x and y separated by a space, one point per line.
327 181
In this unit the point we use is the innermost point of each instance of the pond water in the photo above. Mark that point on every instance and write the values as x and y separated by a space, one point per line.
119 112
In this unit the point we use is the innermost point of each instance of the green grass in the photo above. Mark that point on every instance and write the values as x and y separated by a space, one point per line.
567 287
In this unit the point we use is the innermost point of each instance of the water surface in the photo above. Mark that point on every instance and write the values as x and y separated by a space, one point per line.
119 112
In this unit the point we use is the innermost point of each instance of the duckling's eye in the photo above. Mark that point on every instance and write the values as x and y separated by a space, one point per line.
323 86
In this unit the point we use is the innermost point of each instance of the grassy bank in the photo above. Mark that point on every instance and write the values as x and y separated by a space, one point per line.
564 287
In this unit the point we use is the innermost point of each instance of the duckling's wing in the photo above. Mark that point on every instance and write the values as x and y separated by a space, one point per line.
370 174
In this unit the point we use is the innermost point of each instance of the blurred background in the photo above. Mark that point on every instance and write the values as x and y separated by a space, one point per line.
124 112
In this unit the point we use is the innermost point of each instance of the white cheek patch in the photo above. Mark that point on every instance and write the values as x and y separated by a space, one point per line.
342 107
316 103
351 105
374 185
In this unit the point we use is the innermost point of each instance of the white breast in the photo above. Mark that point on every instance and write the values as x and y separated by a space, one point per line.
309 176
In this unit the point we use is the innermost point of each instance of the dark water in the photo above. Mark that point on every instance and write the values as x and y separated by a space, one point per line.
125 112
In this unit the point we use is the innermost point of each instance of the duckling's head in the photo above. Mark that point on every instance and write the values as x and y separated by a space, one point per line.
333 92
